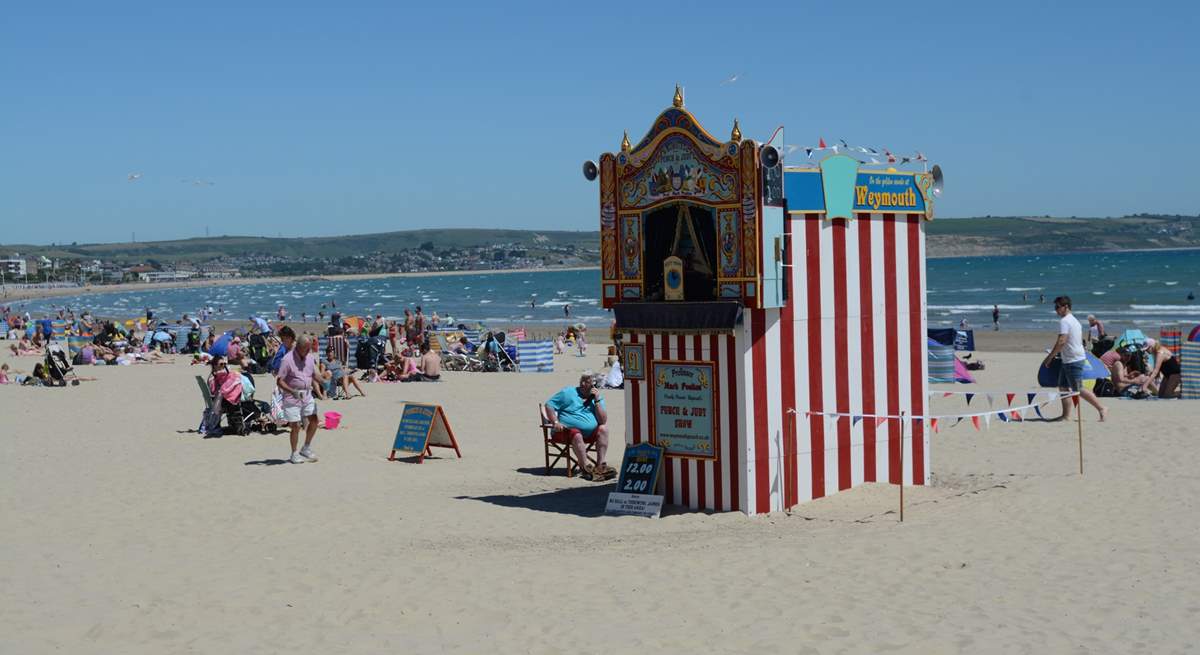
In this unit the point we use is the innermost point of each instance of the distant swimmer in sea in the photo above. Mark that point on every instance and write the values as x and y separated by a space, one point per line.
996 317
1191 295
1042 298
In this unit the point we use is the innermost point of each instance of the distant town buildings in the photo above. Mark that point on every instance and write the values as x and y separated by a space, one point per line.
425 257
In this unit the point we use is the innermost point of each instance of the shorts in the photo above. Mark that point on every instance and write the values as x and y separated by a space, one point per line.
1070 376
1171 367
295 413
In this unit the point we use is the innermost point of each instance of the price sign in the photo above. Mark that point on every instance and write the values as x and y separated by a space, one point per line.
639 469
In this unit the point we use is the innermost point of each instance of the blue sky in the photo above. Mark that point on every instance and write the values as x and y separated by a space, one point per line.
335 118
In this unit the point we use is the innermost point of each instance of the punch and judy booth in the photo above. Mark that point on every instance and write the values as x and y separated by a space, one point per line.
753 300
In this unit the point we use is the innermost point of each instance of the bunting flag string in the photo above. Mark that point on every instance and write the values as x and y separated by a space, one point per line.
1005 415
889 158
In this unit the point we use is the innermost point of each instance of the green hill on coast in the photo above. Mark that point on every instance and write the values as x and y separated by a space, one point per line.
947 237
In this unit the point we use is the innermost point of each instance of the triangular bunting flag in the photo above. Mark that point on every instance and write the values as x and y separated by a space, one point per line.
969 397
947 394
879 420
975 422
987 420
821 143
1009 397
855 420
1016 416
1003 416
933 423
1037 409
1075 400
991 400
1029 397
957 420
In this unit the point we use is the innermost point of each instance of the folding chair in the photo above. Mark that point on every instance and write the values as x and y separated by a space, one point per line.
558 444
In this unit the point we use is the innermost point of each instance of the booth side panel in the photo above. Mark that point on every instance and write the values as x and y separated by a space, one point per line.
764 396
857 311
921 437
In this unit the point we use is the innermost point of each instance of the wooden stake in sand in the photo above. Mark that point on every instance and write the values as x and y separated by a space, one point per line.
1079 422
902 467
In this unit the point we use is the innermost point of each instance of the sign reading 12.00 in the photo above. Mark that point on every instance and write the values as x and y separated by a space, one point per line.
639 469
682 418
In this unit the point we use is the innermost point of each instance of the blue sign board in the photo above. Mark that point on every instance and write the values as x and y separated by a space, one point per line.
874 191
413 433
682 418
639 469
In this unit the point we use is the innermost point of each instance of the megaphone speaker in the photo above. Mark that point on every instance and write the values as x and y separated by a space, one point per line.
769 156
590 171
939 181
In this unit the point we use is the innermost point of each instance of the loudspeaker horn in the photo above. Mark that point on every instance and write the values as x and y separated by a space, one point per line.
590 171
939 181
769 157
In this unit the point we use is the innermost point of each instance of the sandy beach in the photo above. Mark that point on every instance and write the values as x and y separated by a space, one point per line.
126 532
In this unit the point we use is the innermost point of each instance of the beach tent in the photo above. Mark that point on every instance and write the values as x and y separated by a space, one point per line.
1093 369
535 356
961 374
1195 334
941 362
1130 337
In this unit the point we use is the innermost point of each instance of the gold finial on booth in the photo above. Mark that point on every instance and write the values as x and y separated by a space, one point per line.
625 143
677 101
736 135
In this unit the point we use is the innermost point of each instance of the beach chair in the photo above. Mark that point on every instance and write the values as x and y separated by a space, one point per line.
558 444
206 392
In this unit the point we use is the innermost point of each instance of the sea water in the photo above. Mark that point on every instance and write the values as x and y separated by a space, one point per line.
1124 289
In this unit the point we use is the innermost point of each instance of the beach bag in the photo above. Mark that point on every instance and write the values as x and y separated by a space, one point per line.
277 407
1104 388
247 388
210 424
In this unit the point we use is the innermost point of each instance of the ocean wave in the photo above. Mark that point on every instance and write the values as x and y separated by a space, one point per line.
1023 288
969 308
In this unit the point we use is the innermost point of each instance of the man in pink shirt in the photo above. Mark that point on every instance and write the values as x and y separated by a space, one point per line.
295 381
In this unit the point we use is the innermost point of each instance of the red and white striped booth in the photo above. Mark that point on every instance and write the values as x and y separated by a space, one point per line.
748 295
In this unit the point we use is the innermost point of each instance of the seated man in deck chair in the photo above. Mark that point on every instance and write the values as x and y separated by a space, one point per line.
580 410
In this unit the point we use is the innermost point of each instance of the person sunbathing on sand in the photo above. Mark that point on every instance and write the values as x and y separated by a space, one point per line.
24 347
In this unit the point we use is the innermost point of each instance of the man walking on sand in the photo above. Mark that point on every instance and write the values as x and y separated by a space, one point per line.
295 381
1070 344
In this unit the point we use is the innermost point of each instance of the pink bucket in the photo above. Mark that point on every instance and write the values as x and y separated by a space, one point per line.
332 419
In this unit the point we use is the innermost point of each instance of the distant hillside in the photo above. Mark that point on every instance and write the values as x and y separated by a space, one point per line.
1021 235
203 249
948 237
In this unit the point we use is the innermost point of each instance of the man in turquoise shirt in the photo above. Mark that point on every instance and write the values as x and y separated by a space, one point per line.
580 410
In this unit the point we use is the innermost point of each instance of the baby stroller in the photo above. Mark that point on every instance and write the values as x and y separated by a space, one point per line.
259 352
57 366
369 354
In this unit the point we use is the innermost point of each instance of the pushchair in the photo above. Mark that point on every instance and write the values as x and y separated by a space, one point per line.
259 353
58 366
497 356
369 354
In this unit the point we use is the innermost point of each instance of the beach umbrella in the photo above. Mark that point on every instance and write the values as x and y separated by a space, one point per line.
1093 369
1195 334
220 347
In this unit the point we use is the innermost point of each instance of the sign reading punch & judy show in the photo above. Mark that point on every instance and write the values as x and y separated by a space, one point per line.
683 421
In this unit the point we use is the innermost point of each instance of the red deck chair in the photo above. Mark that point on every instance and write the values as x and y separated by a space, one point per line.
558 445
